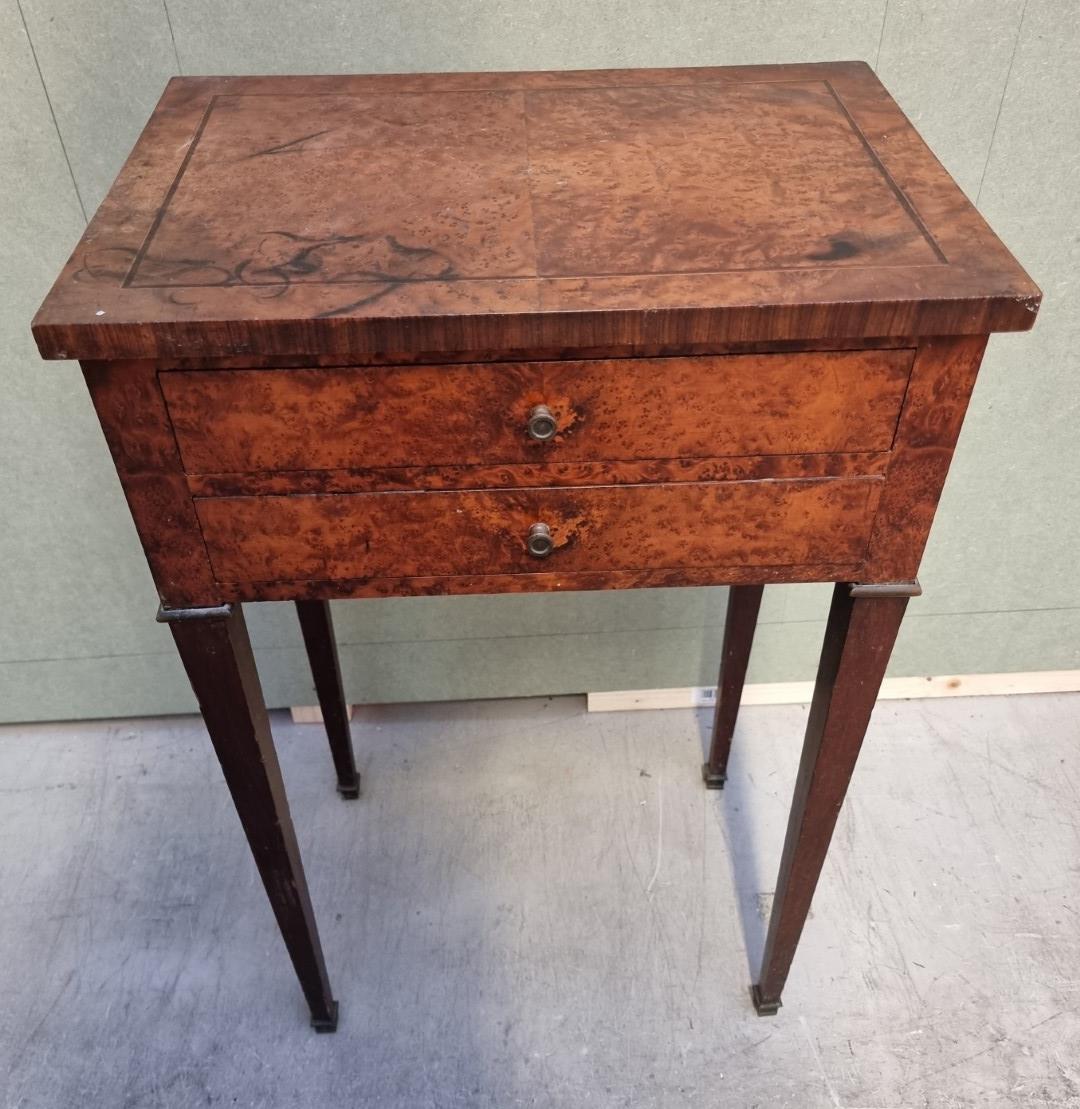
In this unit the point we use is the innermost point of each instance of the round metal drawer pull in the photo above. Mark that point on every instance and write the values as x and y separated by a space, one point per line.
539 543
541 424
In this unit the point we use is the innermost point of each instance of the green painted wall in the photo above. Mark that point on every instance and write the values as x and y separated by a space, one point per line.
990 84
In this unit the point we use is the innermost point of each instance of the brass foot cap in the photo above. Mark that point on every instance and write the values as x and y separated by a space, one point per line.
764 1008
711 778
326 1024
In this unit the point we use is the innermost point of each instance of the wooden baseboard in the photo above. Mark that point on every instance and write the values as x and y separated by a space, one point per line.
310 714
796 693
793 693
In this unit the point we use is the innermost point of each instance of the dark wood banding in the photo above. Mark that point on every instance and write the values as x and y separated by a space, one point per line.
646 471
543 582
539 354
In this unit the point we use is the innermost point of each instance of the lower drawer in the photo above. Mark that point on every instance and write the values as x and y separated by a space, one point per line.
418 534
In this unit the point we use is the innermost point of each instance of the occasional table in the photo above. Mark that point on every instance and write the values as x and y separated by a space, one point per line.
371 336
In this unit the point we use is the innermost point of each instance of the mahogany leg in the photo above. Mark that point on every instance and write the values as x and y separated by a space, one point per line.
317 627
862 627
216 653
744 601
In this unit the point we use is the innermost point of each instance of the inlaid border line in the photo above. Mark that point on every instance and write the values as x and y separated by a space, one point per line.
899 193
160 214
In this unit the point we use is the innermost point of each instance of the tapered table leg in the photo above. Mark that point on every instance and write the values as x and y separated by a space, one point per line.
214 647
317 627
744 601
862 627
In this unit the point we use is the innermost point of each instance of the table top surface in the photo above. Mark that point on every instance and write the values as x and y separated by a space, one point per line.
292 215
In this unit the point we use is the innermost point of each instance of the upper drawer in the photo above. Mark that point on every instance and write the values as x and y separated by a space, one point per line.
243 421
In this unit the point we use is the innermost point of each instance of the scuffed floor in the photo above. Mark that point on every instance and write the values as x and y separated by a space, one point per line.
533 906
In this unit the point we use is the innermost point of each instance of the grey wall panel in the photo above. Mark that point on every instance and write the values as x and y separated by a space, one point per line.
947 63
990 86
72 578
1009 530
248 36
104 65
445 668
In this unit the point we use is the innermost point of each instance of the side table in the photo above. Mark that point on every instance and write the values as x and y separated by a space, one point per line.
372 336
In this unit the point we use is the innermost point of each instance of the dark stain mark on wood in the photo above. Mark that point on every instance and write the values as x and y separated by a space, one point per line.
279 259
344 258
110 264
839 249
294 146
362 302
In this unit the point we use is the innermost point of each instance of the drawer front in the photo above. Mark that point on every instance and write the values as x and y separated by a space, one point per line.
247 421
402 535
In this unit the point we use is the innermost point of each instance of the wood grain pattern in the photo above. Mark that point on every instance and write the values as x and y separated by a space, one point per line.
651 153
396 189
859 638
132 414
216 653
317 628
239 421
605 528
938 394
311 215
740 623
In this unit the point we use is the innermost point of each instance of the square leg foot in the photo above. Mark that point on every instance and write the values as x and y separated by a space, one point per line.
326 1024
351 790
711 778
764 1008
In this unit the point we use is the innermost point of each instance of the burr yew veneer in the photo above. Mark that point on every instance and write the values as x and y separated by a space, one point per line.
478 333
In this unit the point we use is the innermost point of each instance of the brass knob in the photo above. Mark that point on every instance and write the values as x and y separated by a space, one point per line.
541 424
539 543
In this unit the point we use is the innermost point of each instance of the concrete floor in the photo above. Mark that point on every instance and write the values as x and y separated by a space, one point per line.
534 906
